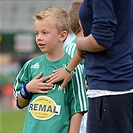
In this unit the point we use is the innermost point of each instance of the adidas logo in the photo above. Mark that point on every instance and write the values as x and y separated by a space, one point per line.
35 65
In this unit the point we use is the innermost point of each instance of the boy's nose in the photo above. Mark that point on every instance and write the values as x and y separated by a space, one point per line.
39 37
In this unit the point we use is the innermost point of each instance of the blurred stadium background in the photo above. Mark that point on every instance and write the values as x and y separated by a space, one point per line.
17 45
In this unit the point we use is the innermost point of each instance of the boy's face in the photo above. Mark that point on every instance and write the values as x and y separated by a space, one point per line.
47 37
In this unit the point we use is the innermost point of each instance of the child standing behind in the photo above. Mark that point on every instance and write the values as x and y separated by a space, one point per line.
50 109
71 48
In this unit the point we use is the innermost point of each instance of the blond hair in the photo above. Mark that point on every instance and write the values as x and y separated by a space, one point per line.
74 17
58 16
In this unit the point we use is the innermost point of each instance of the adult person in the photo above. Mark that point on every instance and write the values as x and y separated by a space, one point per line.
108 64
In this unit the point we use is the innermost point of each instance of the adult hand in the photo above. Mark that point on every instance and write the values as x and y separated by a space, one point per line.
39 85
59 75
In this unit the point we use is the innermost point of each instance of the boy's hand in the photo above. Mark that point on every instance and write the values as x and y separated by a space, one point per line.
39 85
59 75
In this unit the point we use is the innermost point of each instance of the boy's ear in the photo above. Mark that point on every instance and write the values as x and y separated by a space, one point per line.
63 35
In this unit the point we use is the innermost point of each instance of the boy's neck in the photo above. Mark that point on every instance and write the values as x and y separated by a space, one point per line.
55 56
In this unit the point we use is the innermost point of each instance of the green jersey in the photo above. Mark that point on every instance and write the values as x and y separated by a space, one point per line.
71 49
51 113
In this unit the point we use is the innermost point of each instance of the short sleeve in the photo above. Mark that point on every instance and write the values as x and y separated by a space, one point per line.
78 98
21 78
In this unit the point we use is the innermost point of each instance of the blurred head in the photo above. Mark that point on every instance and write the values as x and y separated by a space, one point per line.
74 17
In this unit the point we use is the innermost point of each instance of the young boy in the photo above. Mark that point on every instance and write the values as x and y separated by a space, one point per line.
71 48
76 27
50 109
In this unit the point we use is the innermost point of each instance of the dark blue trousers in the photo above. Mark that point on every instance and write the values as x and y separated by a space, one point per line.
110 114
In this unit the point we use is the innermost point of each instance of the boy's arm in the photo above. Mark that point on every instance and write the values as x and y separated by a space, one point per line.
87 44
75 123
62 74
77 58
79 104
21 102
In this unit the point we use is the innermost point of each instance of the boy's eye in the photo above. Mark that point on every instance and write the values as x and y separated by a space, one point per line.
36 33
45 32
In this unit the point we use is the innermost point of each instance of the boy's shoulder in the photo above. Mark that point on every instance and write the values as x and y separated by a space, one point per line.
34 60
37 58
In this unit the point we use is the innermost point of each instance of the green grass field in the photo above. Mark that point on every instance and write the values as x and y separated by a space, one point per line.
12 121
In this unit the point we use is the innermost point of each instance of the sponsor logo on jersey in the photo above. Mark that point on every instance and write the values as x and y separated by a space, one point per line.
44 108
35 66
